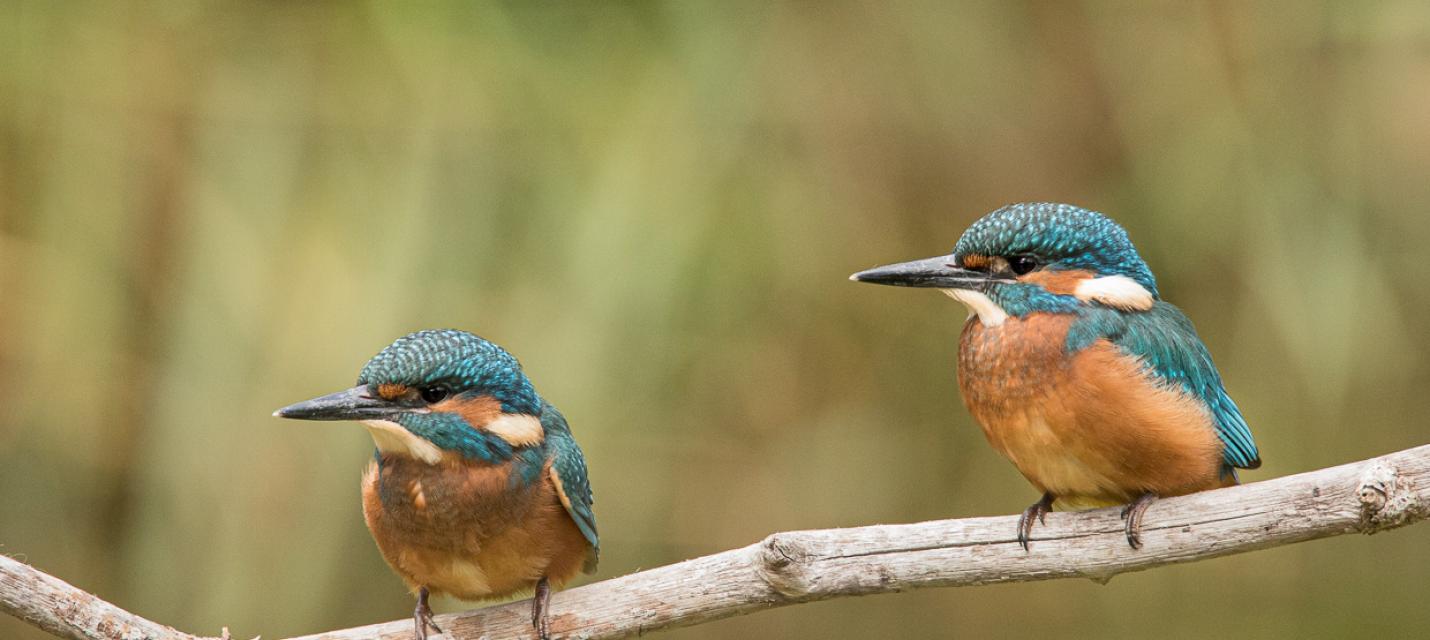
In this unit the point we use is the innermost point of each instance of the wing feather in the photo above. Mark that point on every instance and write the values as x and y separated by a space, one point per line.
568 471
1164 339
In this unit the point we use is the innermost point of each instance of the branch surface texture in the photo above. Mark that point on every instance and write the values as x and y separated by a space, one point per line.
802 566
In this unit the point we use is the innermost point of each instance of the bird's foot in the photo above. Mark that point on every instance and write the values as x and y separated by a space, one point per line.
540 601
1132 513
422 616
1039 512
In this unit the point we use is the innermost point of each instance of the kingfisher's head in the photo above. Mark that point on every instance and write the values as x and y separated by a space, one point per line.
436 393
1032 257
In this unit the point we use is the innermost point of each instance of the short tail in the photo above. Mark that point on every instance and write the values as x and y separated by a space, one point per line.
1228 476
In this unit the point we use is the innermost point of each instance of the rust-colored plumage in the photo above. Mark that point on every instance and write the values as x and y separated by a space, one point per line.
459 528
1094 429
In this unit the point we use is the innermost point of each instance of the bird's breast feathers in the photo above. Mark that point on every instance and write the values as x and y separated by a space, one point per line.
470 529
1090 424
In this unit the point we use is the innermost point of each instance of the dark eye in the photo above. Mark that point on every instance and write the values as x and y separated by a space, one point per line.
435 393
1022 264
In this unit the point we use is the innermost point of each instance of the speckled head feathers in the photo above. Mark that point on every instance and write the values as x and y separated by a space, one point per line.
465 362
1065 236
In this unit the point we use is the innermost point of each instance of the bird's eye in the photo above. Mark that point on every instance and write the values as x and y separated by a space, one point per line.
1022 264
435 393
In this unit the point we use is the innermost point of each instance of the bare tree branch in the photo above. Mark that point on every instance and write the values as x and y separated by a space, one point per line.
802 566
58 607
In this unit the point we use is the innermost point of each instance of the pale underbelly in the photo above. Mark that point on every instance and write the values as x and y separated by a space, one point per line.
1078 476
437 532
495 572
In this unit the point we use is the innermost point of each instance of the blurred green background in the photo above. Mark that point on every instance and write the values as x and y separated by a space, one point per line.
212 209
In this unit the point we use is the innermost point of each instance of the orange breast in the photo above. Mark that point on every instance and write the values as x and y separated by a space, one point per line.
1092 429
462 529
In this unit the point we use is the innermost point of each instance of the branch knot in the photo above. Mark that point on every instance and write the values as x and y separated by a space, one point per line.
1386 502
780 561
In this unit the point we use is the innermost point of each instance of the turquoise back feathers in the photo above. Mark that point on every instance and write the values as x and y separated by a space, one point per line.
1164 340
570 465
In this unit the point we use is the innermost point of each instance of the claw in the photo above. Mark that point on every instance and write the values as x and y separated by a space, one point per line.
540 601
1039 511
1132 513
422 616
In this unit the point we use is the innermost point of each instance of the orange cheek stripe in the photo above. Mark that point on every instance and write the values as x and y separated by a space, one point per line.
476 411
1059 282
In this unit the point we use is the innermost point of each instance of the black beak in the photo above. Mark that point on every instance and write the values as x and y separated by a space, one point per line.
941 272
354 404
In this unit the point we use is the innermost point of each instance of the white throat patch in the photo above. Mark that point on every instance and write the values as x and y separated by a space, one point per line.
1118 292
518 430
988 311
391 437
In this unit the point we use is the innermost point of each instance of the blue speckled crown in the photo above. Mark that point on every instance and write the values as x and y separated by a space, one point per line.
468 363
1069 237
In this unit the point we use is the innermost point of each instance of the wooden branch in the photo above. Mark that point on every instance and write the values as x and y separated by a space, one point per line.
58 607
802 566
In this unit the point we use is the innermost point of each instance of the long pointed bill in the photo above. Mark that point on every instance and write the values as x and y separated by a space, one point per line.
353 404
940 272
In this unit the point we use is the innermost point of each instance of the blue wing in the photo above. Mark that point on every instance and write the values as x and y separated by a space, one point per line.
1164 339
575 487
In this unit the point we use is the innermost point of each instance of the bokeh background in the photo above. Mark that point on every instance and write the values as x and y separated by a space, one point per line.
212 209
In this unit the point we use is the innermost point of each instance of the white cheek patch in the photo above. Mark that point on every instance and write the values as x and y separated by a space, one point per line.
1118 292
988 311
391 437
518 430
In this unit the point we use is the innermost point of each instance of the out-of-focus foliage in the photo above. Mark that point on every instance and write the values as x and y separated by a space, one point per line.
212 209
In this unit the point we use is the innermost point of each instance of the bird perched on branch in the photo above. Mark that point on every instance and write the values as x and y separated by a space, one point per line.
477 488
1098 391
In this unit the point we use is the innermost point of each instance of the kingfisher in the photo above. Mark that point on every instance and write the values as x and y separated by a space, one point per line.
1077 371
477 488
